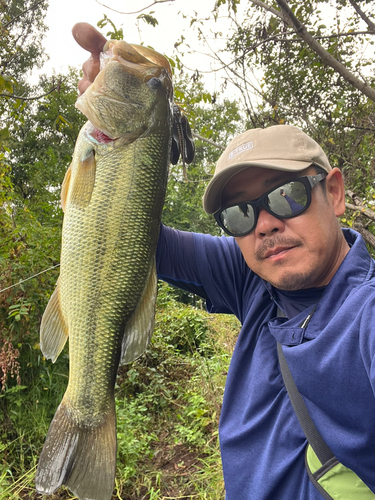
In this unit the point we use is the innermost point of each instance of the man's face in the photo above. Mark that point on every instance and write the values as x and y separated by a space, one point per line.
297 253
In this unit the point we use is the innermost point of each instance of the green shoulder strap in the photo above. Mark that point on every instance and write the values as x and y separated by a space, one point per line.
332 479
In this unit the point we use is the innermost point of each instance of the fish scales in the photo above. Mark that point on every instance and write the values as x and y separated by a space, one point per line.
112 195
127 232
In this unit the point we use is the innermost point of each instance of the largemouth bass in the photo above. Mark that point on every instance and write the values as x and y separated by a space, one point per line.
112 195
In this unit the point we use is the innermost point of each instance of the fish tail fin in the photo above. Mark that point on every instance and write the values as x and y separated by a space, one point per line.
83 458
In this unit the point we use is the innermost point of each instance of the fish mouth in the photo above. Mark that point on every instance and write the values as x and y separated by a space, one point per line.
118 102
133 54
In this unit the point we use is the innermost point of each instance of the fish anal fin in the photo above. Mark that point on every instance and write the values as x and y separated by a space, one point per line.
84 181
53 329
139 329
81 457
65 187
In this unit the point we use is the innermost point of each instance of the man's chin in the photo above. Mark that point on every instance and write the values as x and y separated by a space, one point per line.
291 281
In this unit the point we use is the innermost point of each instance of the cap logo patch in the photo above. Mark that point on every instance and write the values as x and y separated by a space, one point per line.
241 149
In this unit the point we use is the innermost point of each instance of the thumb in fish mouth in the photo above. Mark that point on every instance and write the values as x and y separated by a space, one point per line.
91 40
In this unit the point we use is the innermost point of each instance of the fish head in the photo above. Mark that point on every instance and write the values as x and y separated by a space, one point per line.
132 92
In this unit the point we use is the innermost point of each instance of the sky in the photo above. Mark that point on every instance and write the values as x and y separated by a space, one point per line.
62 15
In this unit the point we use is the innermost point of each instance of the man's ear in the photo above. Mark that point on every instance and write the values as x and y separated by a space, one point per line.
336 191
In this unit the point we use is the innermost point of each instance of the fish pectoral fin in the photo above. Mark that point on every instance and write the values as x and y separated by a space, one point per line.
65 187
139 328
53 329
84 181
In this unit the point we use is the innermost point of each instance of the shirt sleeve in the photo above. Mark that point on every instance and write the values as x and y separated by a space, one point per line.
176 260
210 266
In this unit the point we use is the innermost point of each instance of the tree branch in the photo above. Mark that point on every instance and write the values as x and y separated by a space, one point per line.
343 125
363 210
326 57
56 87
276 38
360 12
135 12
367 236
273 11
21 14
212 143
325 37
356 199
358 226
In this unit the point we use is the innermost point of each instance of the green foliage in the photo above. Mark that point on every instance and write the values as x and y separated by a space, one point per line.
41 146
35 159
149 18
26 412
22 30
232 4
297 87
184 329
170 400
21 33
168 405
36 141
134 438
116 34
283 80
195 419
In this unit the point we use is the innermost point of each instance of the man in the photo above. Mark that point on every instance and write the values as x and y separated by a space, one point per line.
298 264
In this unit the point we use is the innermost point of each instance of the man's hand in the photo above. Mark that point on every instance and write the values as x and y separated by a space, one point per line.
89 39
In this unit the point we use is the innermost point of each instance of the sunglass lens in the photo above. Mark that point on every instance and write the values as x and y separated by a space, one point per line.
288 200
239 219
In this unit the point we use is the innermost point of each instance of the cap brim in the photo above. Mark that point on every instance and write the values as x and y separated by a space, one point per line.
212 195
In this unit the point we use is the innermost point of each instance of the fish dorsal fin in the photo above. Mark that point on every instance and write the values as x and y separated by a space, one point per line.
139 328
83 180
65 187
53 329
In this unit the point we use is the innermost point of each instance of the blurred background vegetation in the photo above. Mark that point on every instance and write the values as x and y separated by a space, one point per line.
169 400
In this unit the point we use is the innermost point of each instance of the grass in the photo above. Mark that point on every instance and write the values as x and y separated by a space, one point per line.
168 406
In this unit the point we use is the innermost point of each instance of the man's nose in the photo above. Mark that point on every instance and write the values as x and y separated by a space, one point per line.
267 224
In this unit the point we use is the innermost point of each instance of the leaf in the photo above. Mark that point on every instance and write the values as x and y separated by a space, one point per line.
149 19
116 34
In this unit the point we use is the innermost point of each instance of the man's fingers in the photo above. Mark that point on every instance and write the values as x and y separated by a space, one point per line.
89 38
91 68
83 85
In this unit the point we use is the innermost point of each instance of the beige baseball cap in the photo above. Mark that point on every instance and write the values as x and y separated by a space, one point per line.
281 147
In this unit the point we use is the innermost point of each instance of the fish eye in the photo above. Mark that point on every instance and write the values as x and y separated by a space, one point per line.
154 83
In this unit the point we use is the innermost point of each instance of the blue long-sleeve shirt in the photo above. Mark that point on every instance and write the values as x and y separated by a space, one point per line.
332 361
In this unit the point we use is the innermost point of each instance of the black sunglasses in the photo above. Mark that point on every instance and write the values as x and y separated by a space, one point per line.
283 202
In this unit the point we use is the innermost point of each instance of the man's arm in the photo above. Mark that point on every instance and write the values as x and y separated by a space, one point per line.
176 261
